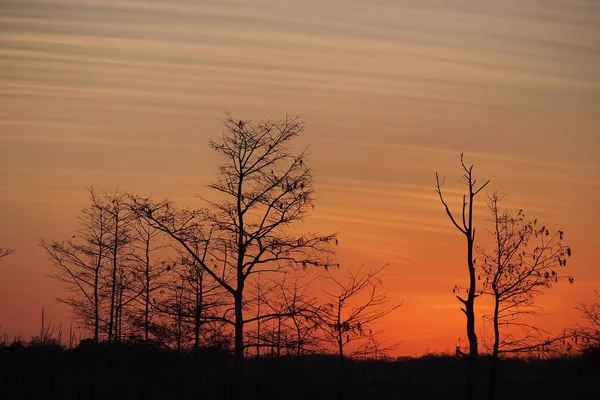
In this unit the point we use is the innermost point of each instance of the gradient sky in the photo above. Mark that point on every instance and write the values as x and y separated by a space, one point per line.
128 93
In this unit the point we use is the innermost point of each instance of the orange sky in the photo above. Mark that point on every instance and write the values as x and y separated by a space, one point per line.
127 93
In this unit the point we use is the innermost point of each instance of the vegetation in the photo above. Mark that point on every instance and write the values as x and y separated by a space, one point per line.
263 190
588 335
344 318
466 226
139 371
524 262
229 300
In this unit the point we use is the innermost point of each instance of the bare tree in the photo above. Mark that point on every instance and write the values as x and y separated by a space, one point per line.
205 297
202 301
299 304
116 207
263 189
81 261
589 334
188 310
289 323
515 274
352 309
465 226
175 328
129 294
148 272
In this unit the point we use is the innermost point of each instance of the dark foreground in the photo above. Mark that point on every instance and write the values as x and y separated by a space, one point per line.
141 372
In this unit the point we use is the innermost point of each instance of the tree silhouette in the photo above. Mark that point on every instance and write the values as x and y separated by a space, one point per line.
352 308
81 263
465 226
116 207
94 265
298 303
263 189
148 273
589 335
191 307
288 323
515 274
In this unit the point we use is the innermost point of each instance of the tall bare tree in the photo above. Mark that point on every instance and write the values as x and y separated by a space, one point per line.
81 262
523 264
466 227
263 189
116 207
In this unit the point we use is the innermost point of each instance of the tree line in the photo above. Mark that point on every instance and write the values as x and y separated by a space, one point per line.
235 273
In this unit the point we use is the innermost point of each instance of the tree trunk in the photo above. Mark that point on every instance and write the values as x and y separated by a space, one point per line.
120 311
179 309
299 338
340 381
470 308
97 279
340 340
239 292
495 348
147 299
238 342
96 305
470 304
278 337
111 320
239 328
258 328
179 333
198 314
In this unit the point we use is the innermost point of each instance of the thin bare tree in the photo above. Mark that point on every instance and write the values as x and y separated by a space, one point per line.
351 309
285 313
588 335
148 272
203 304
299 304
524 263
116 207
81 263
466 227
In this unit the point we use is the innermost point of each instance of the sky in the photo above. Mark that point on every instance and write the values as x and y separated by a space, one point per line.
128 93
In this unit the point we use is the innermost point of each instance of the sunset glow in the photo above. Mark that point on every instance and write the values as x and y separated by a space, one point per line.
127 94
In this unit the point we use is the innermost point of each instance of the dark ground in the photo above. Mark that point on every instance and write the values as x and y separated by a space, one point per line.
142 372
